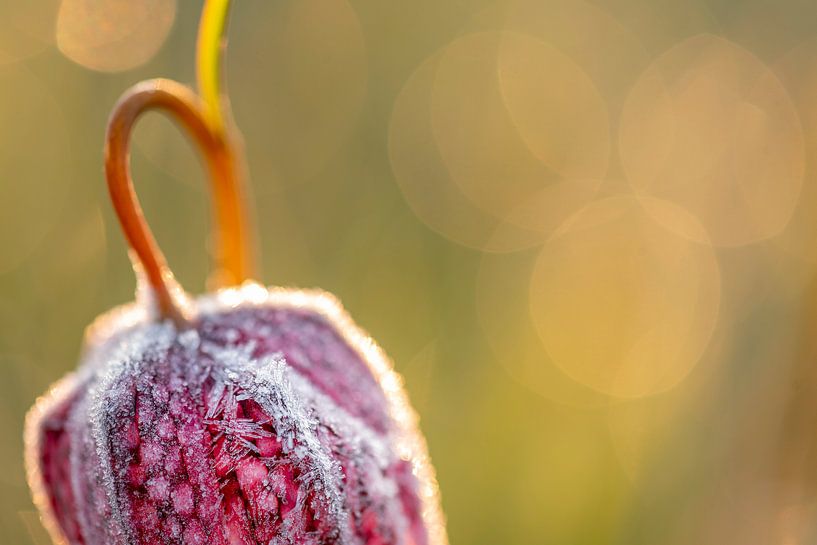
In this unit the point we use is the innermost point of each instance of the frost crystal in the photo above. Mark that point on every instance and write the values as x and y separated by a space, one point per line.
273 421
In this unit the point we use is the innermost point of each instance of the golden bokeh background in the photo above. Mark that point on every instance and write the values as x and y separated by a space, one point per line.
585 230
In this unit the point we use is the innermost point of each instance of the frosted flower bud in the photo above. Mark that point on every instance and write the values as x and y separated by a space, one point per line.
273 420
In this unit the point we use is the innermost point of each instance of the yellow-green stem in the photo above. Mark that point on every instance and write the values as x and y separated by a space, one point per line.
208 55
236 261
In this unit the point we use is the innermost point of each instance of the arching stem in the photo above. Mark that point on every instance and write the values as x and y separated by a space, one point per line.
207 120
186 108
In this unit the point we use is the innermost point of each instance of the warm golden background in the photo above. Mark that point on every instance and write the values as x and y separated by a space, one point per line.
586 231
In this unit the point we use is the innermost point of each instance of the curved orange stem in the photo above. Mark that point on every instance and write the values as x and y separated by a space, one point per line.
233 259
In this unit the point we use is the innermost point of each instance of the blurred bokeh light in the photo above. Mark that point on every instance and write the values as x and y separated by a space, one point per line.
710 127
621 303
585 230
113 35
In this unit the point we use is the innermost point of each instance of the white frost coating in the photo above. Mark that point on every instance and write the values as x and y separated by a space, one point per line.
33 437
285 395
266 381
361 439
411 444
143 344
126 328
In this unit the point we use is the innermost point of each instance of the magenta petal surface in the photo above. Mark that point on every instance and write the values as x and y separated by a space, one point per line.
273 420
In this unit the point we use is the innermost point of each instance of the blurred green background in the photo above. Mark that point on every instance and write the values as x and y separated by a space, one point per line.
585 231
